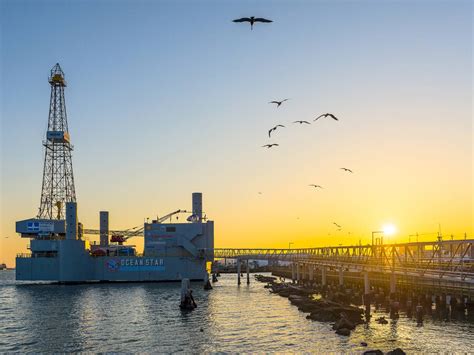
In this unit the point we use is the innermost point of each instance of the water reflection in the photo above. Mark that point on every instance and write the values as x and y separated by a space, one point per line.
146 317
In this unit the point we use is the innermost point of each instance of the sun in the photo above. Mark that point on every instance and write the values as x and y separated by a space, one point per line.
389 229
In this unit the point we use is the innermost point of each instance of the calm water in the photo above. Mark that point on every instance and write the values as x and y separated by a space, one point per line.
146 317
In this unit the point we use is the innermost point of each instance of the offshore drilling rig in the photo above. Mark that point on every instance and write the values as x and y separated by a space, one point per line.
59 252
58 179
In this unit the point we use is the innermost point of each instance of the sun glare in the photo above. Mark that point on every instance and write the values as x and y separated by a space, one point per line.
389 229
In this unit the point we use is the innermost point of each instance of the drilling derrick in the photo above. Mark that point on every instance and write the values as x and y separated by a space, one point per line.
58 179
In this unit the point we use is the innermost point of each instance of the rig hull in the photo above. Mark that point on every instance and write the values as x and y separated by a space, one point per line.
172 251
110 269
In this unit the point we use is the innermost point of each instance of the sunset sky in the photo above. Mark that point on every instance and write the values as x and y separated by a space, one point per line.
165 98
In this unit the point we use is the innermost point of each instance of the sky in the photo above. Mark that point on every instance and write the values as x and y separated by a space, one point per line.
166 98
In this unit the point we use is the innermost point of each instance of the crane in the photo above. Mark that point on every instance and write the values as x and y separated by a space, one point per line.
169 215
121 236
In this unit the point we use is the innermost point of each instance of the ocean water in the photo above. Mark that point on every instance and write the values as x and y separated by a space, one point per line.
146 318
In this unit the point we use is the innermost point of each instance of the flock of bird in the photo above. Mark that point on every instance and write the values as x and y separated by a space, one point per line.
271 130
252 20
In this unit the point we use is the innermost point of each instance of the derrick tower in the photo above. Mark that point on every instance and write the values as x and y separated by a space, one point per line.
58 179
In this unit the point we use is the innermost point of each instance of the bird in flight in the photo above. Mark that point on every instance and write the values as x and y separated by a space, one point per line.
301 122
316 186
348 170
252 20
337 225
269 145
278 103
326 115
274 129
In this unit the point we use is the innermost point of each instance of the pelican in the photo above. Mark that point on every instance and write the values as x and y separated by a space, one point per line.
278 103
269 145
252 20
326 115
348 170
274 129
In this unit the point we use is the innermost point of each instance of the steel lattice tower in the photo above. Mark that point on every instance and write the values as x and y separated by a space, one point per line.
58 179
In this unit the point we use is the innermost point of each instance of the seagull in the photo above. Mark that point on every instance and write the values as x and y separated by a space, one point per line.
269 145
337 225
301 122
278 103
274 129
259 192
326 115
252 20
316 186
348 170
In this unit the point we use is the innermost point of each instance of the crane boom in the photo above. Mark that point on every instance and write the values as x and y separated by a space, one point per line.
128 233
135 231
169 215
